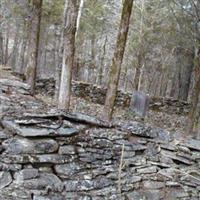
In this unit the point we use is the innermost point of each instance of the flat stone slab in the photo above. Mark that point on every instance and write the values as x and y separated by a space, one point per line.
35 159
25 146
74 117
38 132
143 130
193 144
173 156
26 174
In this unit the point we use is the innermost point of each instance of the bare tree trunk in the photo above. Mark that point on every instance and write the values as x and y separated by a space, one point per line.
117 59
15 51
186 74
137 77
1 49
195 96
140 54
68 54
100 74
79 16
61 57
6 46
92 75
34 45
23 49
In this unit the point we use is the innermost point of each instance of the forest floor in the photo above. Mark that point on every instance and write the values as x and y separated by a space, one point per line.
174 123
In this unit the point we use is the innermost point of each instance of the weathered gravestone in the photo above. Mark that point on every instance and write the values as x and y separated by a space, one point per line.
139 103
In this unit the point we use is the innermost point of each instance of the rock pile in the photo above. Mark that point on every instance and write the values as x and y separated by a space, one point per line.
15 98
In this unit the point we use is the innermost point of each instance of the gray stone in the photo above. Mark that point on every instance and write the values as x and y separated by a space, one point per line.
142 130
145 195
67 132
83 118
28 158
173 156
14 192
172 184
147 170
44 181
39 132
139 103
67 170
135 161
25 146
153 184
4 136
49 197
130 179
26 174
10 167
193 144
87 185
5 179
191 179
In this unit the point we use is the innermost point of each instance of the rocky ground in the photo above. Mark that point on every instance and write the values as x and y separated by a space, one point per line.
49 155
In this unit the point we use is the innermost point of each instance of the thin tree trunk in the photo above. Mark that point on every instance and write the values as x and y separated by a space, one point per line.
117 59
140 54
100 74
93 61
6 46
34 45
15 51
195 96
79 16
1 48
22 54
61 57
68 54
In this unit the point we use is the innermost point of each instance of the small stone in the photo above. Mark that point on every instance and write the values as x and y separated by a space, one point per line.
172 184
153 184
26 174
10 167
67 149
44 181
5 179
25 146
67 170
45 158
147 170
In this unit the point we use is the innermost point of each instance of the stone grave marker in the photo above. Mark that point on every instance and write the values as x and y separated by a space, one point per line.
139 103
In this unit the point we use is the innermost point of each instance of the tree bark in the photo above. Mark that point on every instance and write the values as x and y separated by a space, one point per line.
68 54
117 59
100 74
34 45
1 48
195 96
140 53
14 56
6 46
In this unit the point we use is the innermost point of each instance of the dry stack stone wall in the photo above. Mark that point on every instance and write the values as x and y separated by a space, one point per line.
96 94
58 156
87 159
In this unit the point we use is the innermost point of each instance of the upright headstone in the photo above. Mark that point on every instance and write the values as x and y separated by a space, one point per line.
139 103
